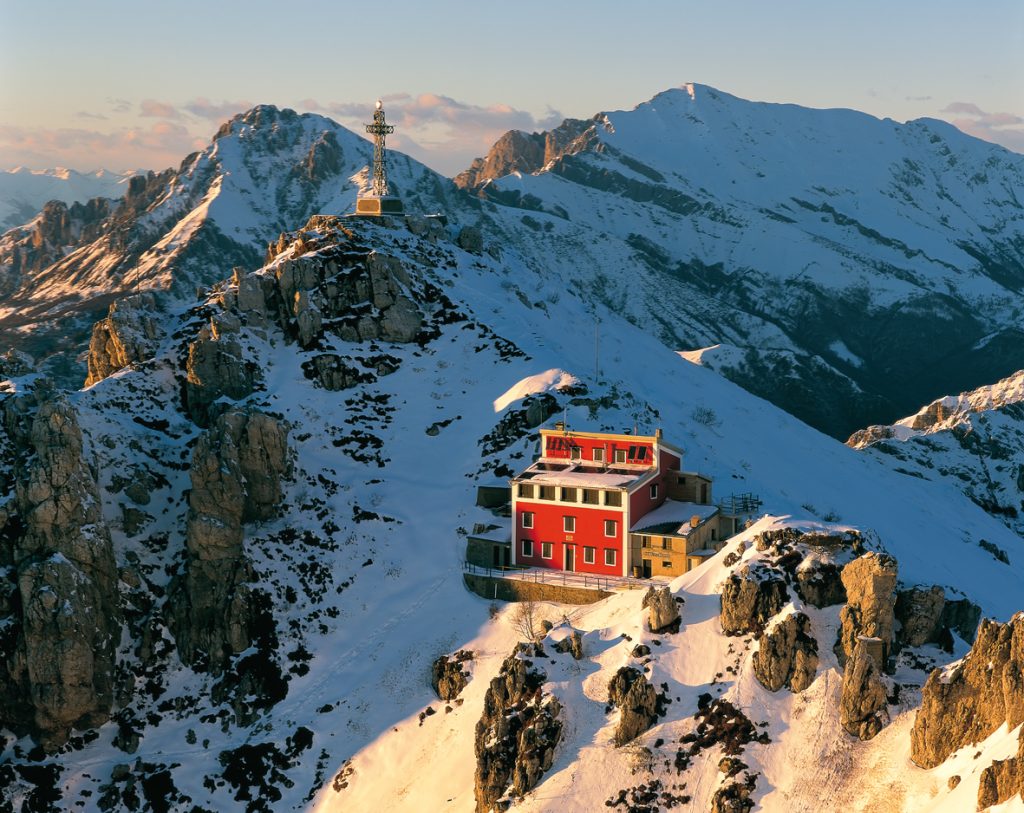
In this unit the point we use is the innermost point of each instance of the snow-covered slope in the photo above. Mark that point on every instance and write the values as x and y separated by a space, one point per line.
847 267
363 563
24 191
264 171
974 441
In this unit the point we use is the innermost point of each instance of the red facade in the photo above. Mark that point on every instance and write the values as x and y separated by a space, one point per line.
603 482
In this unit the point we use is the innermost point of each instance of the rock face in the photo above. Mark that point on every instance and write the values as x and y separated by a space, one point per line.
236 473
919 611
215 370
870 583
750 597
128 335
61 665
637 702
663 610
787 655
820 584
517 734
983 691
862 706
447 675
1002 780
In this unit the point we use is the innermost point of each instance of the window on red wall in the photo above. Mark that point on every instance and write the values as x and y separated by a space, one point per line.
569 524
546 550
588 554
611 528
654 491
527 519
609 557
598 455
527 547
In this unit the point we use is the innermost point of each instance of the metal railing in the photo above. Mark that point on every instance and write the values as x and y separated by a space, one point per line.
565 578
736 504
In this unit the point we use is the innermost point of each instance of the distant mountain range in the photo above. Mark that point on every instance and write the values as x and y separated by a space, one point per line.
24 191
844 267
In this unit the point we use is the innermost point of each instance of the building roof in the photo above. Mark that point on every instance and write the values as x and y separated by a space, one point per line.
672 518
657 438
585 475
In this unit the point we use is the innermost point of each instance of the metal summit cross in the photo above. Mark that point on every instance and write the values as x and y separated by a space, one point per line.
379 201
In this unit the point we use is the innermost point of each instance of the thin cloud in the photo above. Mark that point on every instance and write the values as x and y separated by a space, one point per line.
85 114
1006 129
203 108
162 144
918 98
150 108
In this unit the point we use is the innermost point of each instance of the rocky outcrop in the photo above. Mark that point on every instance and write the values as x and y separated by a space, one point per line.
447 675
787 655
14 363
637 702
517 151
750 597
471 239
60 664
663 610
862 704
967 703
236 472
128 335
819 583
572 644
1003 779
517 734
215 369
919 611
870 583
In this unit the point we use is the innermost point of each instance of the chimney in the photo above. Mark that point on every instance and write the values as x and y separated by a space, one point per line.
695 520
657 433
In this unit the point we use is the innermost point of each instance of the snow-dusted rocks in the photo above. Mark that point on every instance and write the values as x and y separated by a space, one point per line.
1003 779
448 677
517 734
637 702
662 608
967 702
128 335
62 669
787 654
216 369
750 597
236 473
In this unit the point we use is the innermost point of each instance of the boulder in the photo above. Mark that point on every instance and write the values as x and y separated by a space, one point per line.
787 655
980 694
637 701
862 705
870 583
663 610
750 597
447 675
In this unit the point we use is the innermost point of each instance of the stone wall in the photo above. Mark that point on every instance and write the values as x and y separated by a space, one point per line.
491 587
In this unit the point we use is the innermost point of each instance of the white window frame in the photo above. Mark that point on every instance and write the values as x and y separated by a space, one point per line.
592 551
575 452
527 515
654 491
609 553
620 455
527 545
551 550
615 529
569 524
598 454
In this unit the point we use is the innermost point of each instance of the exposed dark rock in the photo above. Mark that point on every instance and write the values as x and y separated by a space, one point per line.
983 691
919 611
663 610
60 661
470 239
216 369
516 736
573 644
750 597
447 675
637 702
14 363
862 706
870 582
236 472
787 655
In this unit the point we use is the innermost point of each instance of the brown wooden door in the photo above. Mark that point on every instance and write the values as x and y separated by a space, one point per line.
570 557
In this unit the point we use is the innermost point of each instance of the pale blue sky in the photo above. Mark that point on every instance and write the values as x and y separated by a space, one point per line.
140 84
